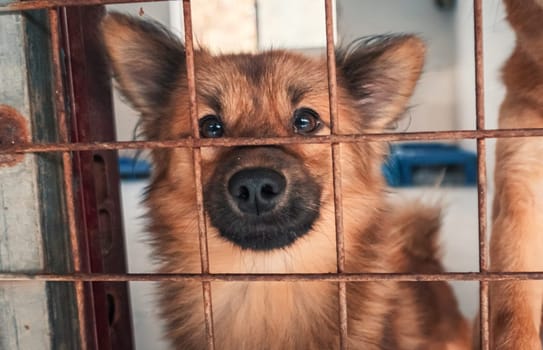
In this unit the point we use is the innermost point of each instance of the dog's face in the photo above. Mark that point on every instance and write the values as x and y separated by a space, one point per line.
265 197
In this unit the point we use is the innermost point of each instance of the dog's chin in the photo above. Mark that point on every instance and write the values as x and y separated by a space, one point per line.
265 237
275 230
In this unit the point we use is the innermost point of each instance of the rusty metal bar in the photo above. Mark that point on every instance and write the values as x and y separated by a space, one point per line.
336 172
483 252
60 108
197 160
96 179
341 277
248 141
270 277
481 171
49 4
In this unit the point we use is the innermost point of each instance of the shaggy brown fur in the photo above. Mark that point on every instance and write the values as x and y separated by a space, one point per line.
517 234
257 95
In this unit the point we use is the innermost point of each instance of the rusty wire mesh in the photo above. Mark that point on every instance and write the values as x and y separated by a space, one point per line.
194 142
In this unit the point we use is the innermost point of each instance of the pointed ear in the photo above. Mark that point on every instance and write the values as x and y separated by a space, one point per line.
147 60
380 73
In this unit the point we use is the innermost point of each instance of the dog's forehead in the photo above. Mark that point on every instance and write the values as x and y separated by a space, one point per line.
256 94
261 67
275 74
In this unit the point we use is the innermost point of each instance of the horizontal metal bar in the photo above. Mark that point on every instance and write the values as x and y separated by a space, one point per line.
230 142
291 277
46 4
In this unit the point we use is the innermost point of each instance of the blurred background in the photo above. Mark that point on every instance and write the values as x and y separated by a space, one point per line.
441 173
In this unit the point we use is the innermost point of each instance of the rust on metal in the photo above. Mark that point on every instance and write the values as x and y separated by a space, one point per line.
197 160
48 4
13 131
96 178
483 251
15 142
481 171
336 172
249 141
68 175
267 277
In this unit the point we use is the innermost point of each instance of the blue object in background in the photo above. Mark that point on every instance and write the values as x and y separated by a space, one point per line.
413 164
391 171
133 168
408 164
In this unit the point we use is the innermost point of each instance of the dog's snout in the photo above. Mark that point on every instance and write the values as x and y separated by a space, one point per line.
256 190
261 198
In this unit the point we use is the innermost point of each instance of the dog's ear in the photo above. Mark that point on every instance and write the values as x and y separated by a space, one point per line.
147 60
380 73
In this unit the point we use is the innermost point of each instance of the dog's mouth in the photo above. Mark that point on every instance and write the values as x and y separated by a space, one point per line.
261 207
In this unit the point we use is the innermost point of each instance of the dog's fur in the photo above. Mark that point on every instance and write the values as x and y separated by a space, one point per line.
517 233
255 96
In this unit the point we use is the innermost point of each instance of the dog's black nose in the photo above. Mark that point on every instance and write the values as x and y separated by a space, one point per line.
256 190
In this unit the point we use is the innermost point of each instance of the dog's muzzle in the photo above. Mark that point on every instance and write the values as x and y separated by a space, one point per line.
261 198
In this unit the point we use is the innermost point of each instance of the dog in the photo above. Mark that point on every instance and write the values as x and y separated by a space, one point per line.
517 231
270 209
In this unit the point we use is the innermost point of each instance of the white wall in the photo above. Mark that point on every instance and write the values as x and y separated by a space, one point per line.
125 117
434 97
292 24
498 41
445 97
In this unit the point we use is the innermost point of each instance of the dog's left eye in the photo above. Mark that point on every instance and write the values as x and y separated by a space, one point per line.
211 127
306 121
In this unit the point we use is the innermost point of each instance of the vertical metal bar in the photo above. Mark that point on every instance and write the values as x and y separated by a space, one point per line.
483 253
87 304
336 171
197 158
67 167
96 178
481 171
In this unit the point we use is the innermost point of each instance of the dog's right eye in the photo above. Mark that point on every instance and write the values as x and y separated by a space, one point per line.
306 121
211 126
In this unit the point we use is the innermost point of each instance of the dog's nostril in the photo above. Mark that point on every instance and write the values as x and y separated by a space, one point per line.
243 193
256 190
267 191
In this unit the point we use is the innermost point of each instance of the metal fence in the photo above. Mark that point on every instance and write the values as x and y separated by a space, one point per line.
79 277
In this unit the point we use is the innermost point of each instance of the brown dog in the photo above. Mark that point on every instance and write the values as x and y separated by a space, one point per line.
517 234
270 209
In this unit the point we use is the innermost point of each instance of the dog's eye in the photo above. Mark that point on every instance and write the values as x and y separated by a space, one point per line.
211 127
305 121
